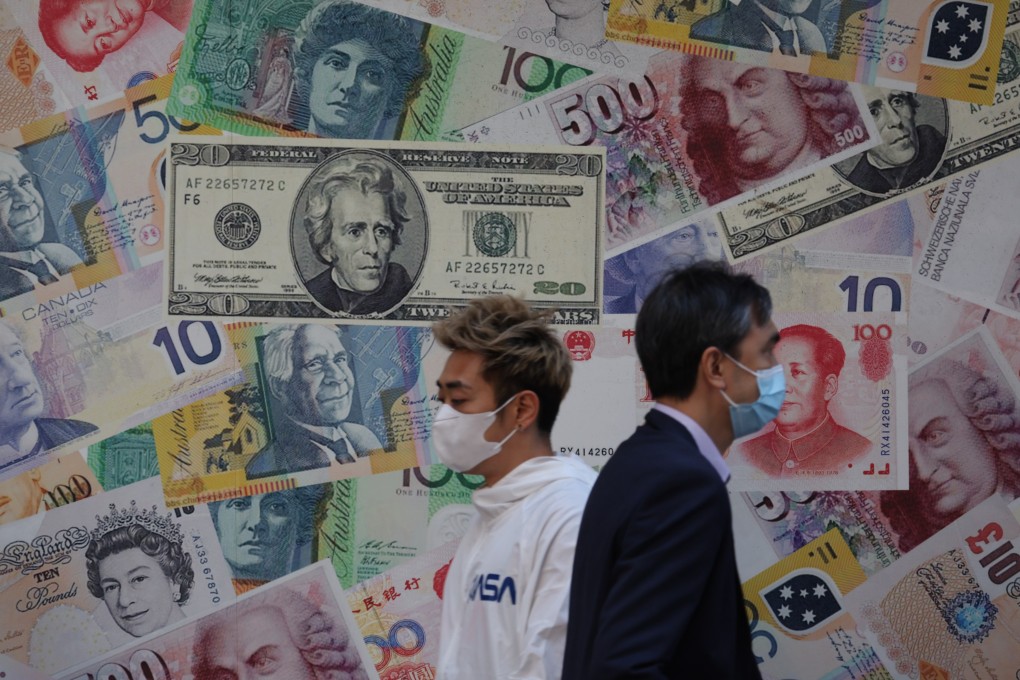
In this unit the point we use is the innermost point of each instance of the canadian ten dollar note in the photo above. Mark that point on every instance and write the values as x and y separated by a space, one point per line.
316 229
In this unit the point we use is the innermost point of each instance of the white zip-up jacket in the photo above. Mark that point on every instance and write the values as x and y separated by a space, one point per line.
508 590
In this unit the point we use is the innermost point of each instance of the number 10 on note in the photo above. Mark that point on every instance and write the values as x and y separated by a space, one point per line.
1002 562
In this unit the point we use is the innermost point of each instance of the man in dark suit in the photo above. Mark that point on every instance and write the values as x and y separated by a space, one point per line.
354 216
23 432
766 25
655 590
26 262
310 374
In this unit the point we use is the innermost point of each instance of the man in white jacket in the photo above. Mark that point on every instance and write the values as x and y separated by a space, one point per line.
507 592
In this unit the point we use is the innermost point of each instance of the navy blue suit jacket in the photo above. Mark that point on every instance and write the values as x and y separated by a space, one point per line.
655 592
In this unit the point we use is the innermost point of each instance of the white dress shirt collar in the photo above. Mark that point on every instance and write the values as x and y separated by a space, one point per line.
704 443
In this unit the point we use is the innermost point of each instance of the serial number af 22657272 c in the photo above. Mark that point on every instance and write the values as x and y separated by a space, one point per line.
507 268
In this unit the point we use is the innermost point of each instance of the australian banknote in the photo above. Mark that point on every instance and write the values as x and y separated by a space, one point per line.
98 360
299 626
972 248
279 235
54 484
800 623
573 33
275 73
124 458
691 134
62 55
365 408
949 607
399 614
81 580
92 185
934 48
924 140
378 523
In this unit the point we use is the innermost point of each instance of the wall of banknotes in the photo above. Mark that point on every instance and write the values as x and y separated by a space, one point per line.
167 176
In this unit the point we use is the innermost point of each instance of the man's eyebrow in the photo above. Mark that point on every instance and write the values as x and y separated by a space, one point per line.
452 384
875 102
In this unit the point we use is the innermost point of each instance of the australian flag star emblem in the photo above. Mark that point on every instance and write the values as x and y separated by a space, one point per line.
803 601
957 33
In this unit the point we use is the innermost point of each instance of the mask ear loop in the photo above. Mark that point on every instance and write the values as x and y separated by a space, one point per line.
516 427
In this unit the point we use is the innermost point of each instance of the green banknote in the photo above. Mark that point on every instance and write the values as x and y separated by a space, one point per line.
337 68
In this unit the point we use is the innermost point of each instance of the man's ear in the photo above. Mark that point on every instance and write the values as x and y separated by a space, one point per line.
831 386
524 409
279 389
710 368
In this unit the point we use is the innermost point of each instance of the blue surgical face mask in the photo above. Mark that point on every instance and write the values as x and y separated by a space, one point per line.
749 418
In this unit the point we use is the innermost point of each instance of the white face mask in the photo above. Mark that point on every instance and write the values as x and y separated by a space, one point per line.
460 437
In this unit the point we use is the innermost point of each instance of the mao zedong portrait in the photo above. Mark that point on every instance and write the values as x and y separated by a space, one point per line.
137 566
355 67
25 261
24 433
748 125
766 25
909 152
309 373
83 32
276 634
355 214
806 437
964 438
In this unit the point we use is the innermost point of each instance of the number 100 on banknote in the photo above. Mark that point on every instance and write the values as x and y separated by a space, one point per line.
319 229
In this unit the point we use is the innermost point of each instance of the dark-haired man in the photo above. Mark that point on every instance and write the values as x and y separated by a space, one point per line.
655 590
505 599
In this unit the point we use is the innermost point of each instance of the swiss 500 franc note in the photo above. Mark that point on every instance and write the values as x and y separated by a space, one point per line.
100 359
82 580
91 198
851 434
800 624
689 134
923 140
931 47
299 626
277 230
948 609
422 82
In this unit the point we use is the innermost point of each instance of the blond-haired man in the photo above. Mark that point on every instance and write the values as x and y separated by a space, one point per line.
507 591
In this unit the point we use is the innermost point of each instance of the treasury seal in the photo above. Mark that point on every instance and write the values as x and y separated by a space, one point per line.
494 234
237 226
1009 65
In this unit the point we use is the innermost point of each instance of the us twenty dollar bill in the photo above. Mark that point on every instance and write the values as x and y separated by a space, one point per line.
395 231
291 73
79 581
300 626
943 49
924 140
948 609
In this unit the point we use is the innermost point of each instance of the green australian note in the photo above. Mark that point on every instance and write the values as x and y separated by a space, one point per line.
337 68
